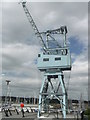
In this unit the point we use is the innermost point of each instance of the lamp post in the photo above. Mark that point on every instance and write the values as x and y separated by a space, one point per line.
8 90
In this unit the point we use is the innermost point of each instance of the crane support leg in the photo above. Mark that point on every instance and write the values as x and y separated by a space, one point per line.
49 92
40 97
64 95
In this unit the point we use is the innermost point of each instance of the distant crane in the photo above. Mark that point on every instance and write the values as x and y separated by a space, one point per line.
53 60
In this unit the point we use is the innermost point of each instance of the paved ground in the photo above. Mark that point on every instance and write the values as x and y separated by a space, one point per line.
27 115
0 116
33 116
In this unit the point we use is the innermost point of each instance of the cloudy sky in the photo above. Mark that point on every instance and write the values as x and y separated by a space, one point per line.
20 46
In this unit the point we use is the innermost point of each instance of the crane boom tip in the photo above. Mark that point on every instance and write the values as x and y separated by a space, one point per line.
22 1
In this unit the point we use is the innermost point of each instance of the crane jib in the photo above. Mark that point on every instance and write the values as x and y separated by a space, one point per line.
31 21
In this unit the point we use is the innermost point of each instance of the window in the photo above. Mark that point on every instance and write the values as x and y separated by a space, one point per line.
58 58
45 59
38 55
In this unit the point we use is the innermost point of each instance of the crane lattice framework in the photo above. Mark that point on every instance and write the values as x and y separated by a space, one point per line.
52 61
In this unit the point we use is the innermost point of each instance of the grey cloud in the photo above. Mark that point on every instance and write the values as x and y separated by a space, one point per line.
20 46
18 29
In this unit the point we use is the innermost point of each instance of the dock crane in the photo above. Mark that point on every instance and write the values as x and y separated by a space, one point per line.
52 61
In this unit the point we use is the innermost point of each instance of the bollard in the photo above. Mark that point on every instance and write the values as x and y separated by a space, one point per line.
17 111
31 109
6 113
27 110
9 112
82 115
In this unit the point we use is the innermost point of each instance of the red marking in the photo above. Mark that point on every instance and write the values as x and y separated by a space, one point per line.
21 105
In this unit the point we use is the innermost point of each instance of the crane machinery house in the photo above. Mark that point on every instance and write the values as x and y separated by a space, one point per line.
59 61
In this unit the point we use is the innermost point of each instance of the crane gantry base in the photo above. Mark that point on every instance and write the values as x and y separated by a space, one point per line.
46 94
